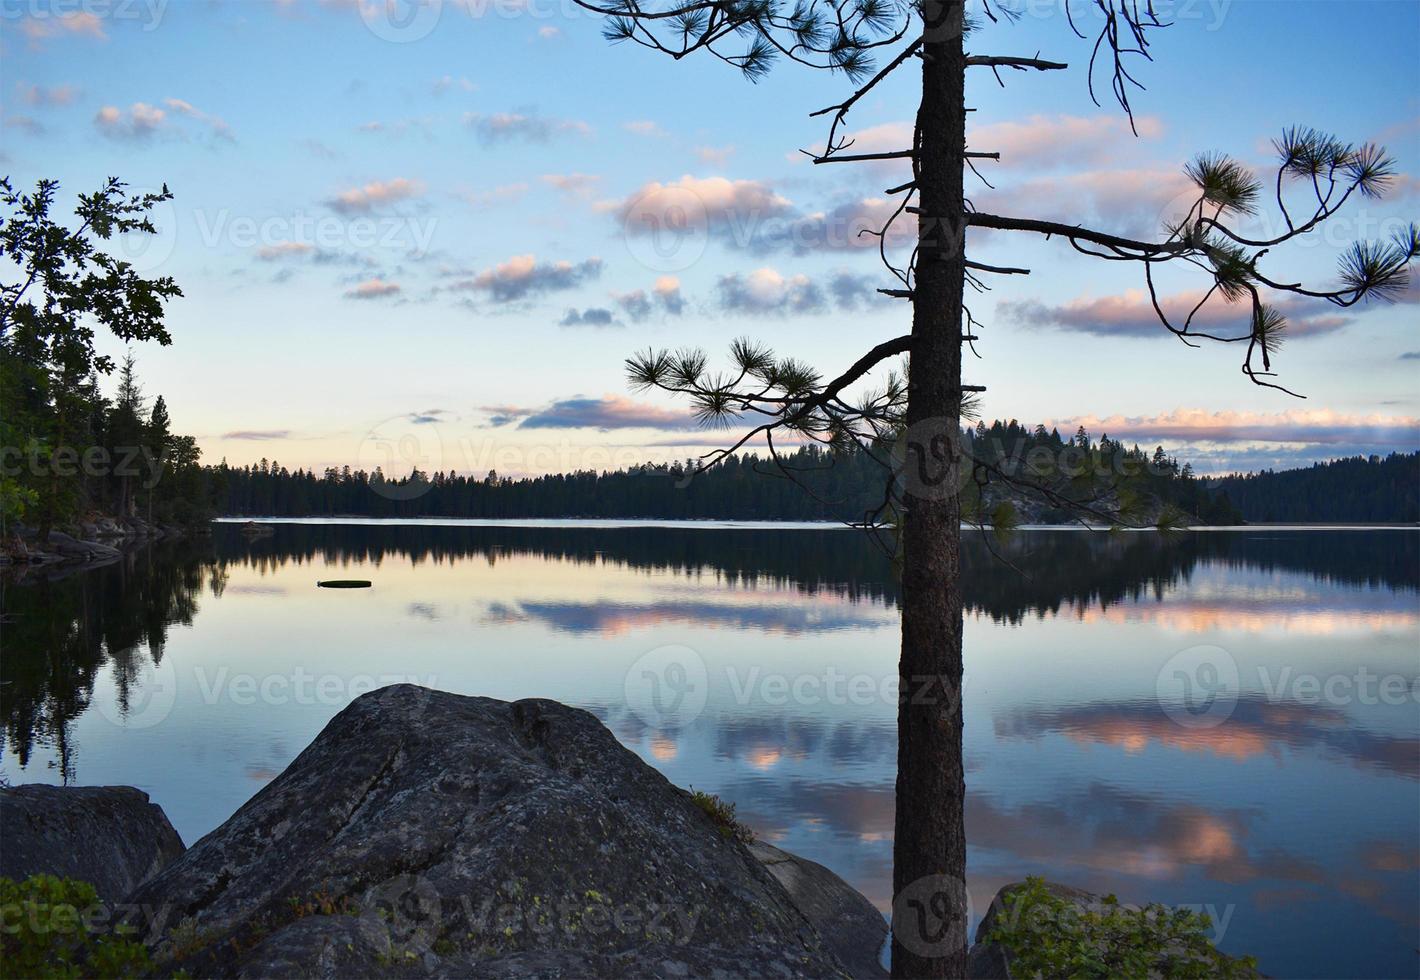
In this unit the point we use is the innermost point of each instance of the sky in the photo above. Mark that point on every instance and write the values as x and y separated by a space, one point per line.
430 232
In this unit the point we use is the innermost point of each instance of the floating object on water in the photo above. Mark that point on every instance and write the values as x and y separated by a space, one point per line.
344 583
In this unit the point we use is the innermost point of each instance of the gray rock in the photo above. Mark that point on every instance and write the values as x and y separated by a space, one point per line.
71 547
429 834
851 925
109 836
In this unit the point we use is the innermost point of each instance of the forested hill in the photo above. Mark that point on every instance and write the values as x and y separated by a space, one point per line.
825 485
842 488
1359 489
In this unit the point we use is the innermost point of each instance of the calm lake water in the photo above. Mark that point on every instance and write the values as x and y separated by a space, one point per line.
1224 719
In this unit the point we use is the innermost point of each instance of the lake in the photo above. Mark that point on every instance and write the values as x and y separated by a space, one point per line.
1226 719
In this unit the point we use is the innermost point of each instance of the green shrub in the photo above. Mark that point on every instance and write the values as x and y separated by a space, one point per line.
723 815
51 927
1049 936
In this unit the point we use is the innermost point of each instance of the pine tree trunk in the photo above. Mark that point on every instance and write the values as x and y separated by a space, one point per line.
929 849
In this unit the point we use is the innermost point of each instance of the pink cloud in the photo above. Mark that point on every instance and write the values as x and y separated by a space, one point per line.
578 184
1310 426
1134 202
372 289
54 95
140 121
376 194
691 202
1052 141
715 156
1131 313
39 26
523 276
608 412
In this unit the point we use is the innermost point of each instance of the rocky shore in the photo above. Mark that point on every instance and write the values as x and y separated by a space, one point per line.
428 834
95 540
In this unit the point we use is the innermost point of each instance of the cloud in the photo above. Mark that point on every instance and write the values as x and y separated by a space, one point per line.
577 184
29 124
643 127
141 120
319 150
1313 427
852 291
751 215
1125 201
372 289
447 82
257 435
882 138
505 414
1053 141
592 316
665 295
767 291
428 417
502 194
39 26
691 203
523 276
715 156
667 291
843 227
42 97
361 200
399 128
218 126
1131 314
1410 355
528 127
548 33
606 413
285 250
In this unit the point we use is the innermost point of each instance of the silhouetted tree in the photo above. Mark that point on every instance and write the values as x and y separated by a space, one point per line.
48 362
784 395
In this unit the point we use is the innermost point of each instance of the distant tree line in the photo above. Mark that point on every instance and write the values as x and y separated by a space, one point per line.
1358 489
810 484
818 484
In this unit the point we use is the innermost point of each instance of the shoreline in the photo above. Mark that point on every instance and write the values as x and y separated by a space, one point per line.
733 524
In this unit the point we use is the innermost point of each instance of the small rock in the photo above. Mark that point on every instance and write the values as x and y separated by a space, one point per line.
71 547
109 836
851 925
